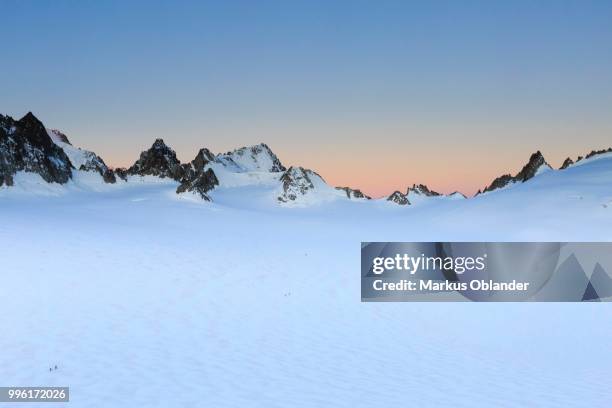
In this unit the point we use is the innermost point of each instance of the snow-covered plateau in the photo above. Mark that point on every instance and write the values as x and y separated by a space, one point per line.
143 297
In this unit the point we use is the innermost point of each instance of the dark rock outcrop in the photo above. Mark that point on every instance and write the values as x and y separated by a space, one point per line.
109 177
201 184
500 182
566 163
398 198
531 168
353 193
190 170
296 182
422 189
121 172
196 177
536 161
26 146
160 160
203 157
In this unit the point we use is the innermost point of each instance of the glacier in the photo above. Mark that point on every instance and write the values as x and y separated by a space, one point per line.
142 297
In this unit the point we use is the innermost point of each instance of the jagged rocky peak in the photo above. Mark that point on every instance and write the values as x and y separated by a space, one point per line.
160 160
83 160
422 189
203 157
353 193
566 163
398 198
252 158
296 182
536 164
197 165
25 145
201 183
196 177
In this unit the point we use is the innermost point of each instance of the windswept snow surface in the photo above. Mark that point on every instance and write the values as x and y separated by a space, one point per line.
144 298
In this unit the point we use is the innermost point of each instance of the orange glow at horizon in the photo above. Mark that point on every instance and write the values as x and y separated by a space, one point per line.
465 159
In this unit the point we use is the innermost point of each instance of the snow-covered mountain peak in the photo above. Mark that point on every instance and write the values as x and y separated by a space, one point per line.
297 182
252 158
422 190
245 173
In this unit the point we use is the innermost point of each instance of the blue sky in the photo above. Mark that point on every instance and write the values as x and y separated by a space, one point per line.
372 94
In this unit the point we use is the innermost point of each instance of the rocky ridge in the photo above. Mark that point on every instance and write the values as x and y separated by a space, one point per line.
25 145
398 198
83 160
535 164
569 162
197 178
353 193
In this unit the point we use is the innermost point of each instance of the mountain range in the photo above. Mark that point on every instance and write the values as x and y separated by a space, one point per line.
26 145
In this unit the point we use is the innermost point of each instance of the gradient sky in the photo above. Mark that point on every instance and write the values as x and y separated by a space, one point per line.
372 94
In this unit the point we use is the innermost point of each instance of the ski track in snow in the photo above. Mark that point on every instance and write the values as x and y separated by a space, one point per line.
145 298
